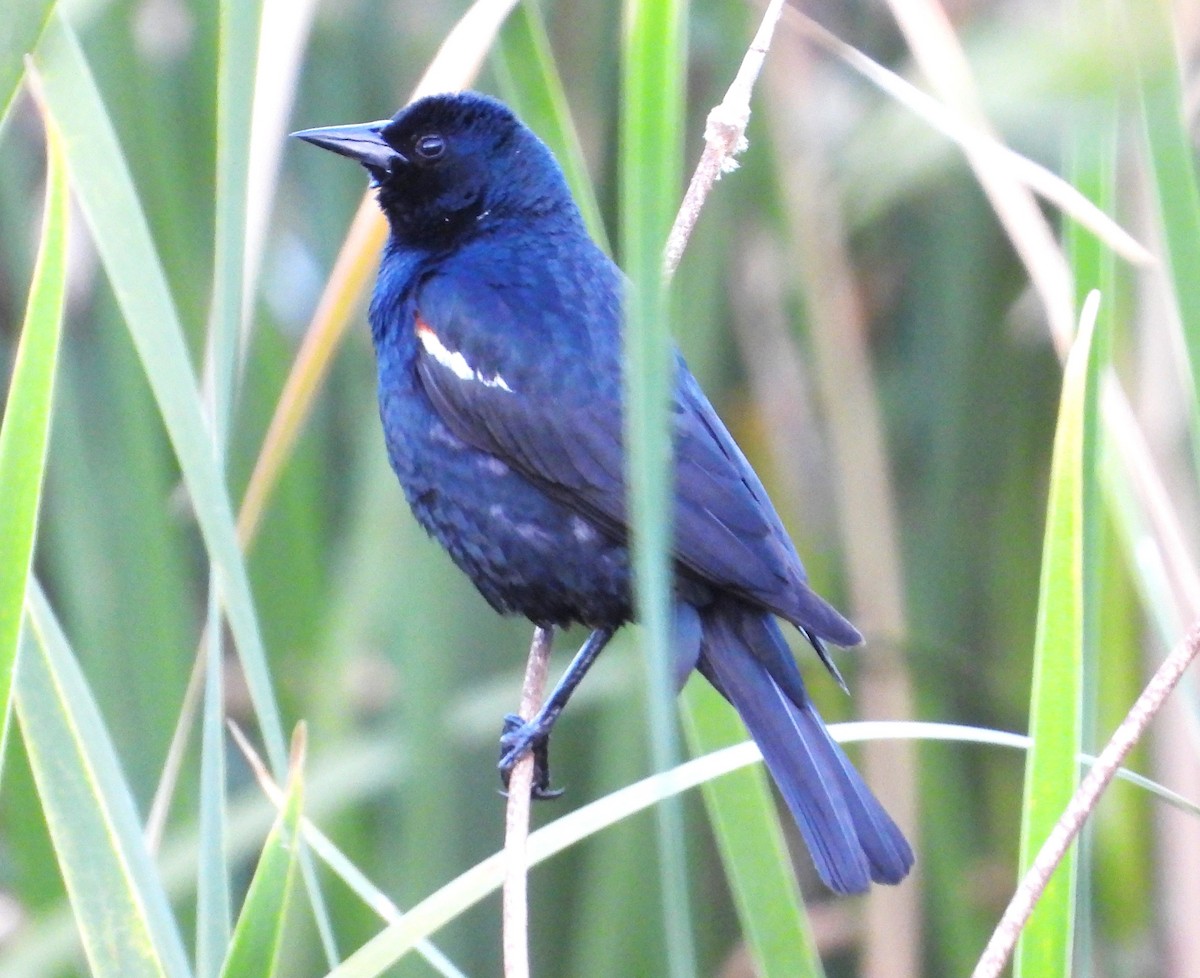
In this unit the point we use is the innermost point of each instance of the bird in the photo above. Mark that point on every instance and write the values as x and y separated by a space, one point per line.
496 321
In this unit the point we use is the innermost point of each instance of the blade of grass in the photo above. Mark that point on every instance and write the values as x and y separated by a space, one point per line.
1092 165
753 850
864 730
122 913
387 947
213 902
350 774
110 205
254 950
339 863
237 27
25 431
652 119
1174 178
109 202
741 808
1055 724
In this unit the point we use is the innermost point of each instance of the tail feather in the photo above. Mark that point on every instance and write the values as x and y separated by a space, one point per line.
852 839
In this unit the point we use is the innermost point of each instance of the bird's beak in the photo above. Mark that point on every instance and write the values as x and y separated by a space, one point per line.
362 142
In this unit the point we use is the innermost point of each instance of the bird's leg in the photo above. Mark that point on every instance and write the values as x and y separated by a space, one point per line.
519 737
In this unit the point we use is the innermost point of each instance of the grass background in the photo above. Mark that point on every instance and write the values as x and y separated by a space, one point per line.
862 320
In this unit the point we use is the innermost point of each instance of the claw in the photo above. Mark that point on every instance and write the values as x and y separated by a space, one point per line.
519 738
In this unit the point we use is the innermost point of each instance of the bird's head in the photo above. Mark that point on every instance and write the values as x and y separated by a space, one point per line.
449 166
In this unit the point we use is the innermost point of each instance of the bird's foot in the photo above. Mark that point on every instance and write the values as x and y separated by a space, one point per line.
519 738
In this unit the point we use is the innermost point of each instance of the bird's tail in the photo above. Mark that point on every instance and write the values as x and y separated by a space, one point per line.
852 839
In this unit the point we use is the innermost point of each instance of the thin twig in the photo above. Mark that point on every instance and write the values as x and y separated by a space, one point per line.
1004 938
516 818
724 138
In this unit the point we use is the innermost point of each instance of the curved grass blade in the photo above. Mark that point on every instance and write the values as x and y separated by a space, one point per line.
1092 153
25 431
447 903
121 910
254 950
1055 723
744 814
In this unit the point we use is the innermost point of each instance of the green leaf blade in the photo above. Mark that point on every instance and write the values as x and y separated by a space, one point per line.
258 936
105 190
25 432
652 125
1175 182
533 86
1056 727
745 821
120 907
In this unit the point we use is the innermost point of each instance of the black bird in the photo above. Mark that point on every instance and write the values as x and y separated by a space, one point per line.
497 328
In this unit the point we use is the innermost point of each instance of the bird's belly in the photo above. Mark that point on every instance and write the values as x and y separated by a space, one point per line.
525 552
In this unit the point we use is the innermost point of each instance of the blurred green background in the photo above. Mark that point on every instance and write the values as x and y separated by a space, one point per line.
851 228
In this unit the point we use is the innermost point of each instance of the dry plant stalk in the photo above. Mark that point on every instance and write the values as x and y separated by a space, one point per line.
1004 939
515 913
724 138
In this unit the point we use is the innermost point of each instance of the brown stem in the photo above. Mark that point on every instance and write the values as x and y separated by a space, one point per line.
999 949
724 138
516 820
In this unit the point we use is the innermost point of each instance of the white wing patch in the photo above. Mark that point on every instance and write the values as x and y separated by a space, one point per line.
454 361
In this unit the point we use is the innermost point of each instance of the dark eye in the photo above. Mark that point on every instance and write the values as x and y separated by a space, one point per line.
431 146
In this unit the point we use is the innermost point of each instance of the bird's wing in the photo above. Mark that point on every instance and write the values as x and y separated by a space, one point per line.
560 425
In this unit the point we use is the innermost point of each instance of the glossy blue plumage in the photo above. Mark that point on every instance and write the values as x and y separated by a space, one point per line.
496 323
